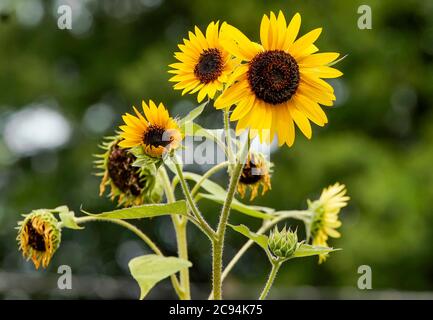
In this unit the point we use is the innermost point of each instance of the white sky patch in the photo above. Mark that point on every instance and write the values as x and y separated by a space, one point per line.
34 129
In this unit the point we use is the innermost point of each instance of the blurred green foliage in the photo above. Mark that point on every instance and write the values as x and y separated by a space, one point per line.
379 140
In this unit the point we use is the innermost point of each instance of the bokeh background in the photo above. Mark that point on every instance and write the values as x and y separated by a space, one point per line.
63 90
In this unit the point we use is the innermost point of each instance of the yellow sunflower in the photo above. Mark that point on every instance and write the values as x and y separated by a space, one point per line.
281 83
39 237
255 173
204 65
156 132
325 210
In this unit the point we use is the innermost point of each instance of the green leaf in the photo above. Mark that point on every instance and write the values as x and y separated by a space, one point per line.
193 114
145 211
260 239
306 250
67 218
238 206
68 221
148 270
218 194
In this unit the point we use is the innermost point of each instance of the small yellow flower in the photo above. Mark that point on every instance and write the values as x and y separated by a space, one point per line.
204 65
256 173
281 82
156 132
325 215
132 186
39 236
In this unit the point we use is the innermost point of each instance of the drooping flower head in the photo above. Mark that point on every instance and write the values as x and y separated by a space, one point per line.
39 236
204 64
256 173
281 82
131 185
156 132
325 211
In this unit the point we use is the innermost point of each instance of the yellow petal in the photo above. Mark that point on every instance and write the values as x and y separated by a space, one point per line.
304 42
292 31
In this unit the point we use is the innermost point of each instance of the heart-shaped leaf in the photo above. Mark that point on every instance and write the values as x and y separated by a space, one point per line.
150 269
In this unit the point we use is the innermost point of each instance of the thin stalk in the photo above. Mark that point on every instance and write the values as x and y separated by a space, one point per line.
275 267
180 226
207 175
218 243
192 205
141 235
228 137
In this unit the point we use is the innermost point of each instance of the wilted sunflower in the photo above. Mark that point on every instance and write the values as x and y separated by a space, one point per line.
281 82
204 64
156 132
39 236
325 215
131 185
255 173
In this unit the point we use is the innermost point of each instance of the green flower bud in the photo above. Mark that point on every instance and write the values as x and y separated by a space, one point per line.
284 243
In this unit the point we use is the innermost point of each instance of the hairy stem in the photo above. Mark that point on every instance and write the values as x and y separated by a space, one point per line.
275 267
218 243
296 214
207 175
230 154
141 235
191 203
180 226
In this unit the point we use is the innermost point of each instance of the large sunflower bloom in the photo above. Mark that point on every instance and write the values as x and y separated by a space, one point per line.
325 215
204 65
156 132
281 82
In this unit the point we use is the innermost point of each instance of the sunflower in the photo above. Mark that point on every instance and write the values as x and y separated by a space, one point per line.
156 132
204 65
281 83
255 173
131 185
39 236
325 210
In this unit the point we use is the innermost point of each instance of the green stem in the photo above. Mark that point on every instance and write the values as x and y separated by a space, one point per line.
180 227
275 267
192 205
218 242
207 175
141 235
230 154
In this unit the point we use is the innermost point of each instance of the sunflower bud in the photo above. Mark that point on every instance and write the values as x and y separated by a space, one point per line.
283 244
39 236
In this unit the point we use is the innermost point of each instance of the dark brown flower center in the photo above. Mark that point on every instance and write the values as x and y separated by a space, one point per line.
122 173
251 173
36 240
157 137
209 66
273 76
